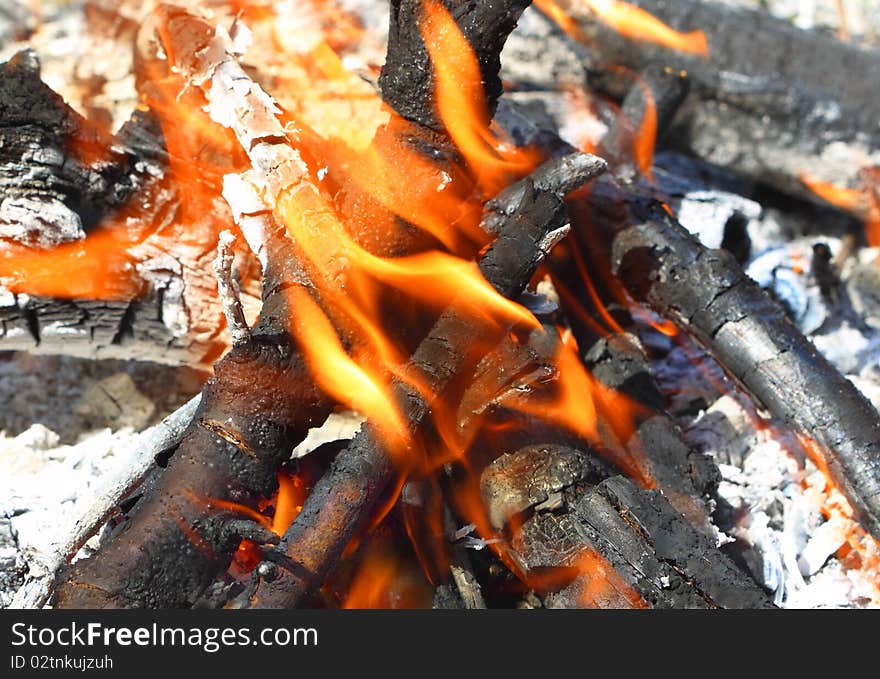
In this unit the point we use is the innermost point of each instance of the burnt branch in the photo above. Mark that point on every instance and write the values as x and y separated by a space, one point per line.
407 79
229 292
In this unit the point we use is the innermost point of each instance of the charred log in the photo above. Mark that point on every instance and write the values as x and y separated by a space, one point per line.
768 101
640 551
707 294
63 181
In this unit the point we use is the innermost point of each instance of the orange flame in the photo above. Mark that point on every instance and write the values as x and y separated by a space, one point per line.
384 580
862 202
603 587
339 319
461 103
628 20
99 267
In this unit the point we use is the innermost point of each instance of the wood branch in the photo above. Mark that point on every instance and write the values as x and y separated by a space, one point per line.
230 295
63 182
92 512
341 502
707 294
641 553
768 102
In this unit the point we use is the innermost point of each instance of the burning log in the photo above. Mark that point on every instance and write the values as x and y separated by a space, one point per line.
628 548
407 79
766 100
60 179
342 501
257 407
707 294
245 436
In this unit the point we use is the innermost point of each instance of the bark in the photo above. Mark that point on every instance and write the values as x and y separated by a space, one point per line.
686 477
639 553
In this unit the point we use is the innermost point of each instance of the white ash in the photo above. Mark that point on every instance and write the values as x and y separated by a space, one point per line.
42 482
771 502
64 423
12 563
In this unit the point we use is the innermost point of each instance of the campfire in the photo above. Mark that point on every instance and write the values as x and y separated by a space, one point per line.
564 304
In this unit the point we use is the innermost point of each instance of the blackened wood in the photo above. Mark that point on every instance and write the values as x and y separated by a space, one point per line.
706 292
535 476
58 175
342 501
407 79
771 101
60 178
685 476
708 295
651 548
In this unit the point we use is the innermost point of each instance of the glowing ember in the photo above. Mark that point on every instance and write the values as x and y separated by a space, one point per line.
386 580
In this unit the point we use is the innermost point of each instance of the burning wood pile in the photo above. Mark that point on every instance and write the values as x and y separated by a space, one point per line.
570 305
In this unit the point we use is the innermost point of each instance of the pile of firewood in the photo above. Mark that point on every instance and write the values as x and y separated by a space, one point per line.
515 410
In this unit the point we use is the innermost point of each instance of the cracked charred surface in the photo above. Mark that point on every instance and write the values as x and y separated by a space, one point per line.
180 534
63 181
685 476
652 550
768 100
706 293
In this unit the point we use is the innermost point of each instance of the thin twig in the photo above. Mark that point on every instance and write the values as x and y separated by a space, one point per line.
228 290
